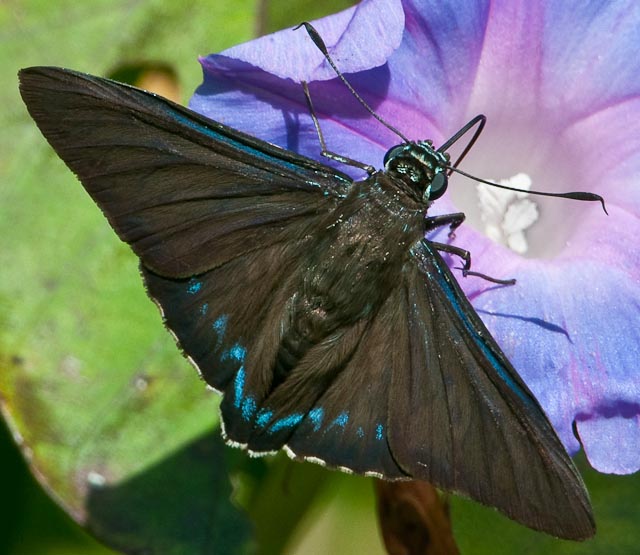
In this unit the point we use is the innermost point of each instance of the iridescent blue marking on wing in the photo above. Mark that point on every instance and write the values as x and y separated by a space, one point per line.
237 352
263 417
360 432
298 166
340 420
316 415
238 387
248 408
286 422
219 137
194 286
379 432
442 281
220 327
204 308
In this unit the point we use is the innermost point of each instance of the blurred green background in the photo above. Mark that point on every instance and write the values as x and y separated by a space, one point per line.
128 408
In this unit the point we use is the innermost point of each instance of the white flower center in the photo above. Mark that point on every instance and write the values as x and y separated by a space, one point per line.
506 215
526 155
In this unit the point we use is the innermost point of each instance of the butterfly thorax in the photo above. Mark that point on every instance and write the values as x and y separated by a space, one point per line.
354 265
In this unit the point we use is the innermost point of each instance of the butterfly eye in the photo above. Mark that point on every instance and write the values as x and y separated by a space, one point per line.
438 186
392 153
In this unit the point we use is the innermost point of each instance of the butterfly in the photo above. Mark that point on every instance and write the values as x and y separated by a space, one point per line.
313 301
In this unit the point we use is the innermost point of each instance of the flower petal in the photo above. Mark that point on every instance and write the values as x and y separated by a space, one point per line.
349 35
611 439
559 83
555 325
251 87
434 68
604 150
590 55
556 60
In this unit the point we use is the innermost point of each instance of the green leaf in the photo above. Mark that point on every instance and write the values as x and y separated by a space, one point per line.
113 421
280 14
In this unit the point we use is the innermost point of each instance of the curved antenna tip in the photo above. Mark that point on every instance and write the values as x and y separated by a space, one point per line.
590 197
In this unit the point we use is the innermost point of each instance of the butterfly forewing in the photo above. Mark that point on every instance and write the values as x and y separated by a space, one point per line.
186 193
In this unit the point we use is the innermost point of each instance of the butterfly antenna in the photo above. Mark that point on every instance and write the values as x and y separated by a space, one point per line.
480 120
578 195
317 40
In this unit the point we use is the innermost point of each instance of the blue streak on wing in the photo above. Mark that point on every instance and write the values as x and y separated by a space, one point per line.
194 286
286 422
316 415
220 327
237 352
226 139
263 417
443 282
297 166
360 432
340 420
248 408
204 308
379 432
238 387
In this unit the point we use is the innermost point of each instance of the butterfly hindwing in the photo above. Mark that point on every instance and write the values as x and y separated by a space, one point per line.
230 312
328 377
219 219
339 395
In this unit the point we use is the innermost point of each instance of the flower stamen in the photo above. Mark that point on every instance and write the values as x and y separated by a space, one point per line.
506 215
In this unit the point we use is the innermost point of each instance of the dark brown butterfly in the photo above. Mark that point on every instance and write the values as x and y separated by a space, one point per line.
313 301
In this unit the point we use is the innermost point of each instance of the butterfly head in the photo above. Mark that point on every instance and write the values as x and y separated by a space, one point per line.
419 166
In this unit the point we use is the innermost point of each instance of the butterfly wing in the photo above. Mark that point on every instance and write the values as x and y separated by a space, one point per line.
464 420
339 394
187 193
333 406
218 218
223 313
421 390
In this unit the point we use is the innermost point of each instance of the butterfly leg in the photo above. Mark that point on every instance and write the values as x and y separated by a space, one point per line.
327 153
452 220
466 256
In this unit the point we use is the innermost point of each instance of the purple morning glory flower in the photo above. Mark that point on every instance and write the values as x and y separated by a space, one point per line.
560 85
